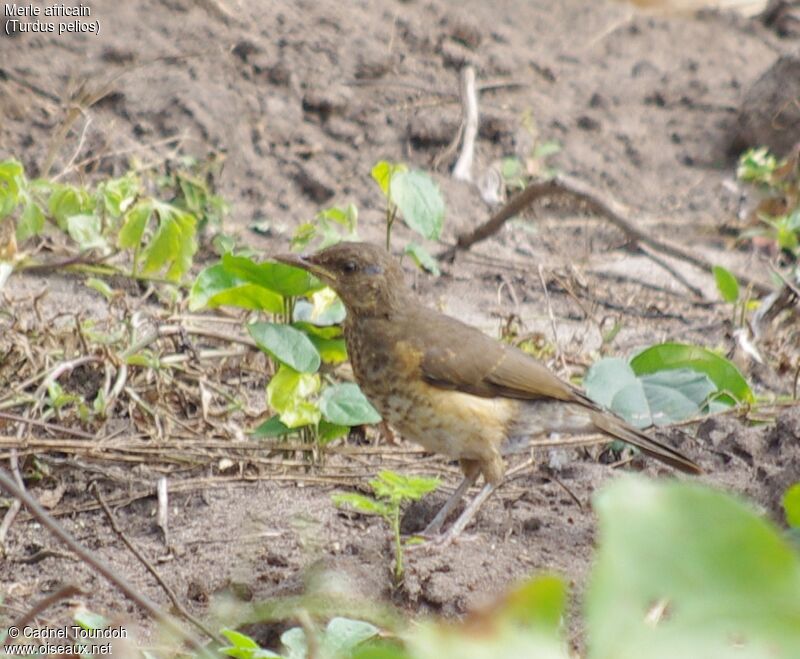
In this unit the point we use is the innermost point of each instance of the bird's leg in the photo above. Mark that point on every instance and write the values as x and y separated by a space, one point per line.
435 525
466 517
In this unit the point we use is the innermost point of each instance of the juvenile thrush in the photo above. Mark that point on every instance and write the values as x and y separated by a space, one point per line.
448 386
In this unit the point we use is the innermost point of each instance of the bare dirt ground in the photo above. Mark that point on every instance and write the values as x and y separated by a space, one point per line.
299 100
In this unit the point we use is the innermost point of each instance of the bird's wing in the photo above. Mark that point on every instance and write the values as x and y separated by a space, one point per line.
457 356
461 357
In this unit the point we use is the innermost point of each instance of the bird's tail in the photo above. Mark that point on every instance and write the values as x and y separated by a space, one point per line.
618 428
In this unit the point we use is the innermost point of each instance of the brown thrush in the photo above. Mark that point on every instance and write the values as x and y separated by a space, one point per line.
448 386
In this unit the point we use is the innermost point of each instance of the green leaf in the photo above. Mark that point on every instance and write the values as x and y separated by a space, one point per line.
66 201
283 279
173 245
397 487
727 285
119 194
345 405
791 505
731 583
286 344
12 179
539 602
288 392
677 355
419 201
243 647
31 223
89 620
423 258
382 174
332 351
134 224
656 399
328 431
365 505
342 635
86 230
294 642
216 287
324 308
272 427
101 287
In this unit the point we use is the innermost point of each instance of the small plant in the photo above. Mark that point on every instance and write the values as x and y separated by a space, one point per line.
303 333
415 197
666 383
340 638
778 183
119 215
392 492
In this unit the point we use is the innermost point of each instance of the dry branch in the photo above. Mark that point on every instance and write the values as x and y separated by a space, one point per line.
615 212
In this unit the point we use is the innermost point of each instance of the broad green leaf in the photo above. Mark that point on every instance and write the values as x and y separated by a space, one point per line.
324 308
86 230
727 285
677 355
332 351
657 399
173 245
12 178
419 201
606 377
283 279
216 287
272 427
342 635
539 602
345 405
66 201
288 392
423 258
382 174
244 647
31 222
294 643
362 504
134 224
119 194
730 582
286 344
328 431
791 505
397 487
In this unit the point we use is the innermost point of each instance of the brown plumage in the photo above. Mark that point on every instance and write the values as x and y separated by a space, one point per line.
448 386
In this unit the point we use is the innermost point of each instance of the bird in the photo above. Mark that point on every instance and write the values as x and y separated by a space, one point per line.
451 388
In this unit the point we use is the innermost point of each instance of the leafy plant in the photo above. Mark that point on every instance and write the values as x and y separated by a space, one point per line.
778 183
303 334
116 215
329 227
340 638
791 505
392 491
414 195
666 383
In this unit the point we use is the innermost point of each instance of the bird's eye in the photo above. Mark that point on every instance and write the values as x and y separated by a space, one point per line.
349 267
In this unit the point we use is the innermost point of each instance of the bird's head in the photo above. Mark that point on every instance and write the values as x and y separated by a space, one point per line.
367 278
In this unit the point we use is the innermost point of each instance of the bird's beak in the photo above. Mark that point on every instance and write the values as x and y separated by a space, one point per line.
306 263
